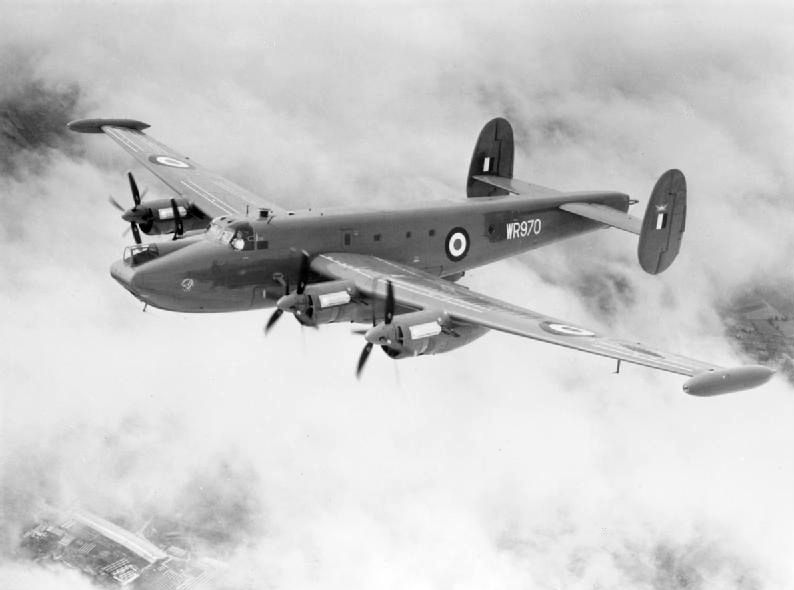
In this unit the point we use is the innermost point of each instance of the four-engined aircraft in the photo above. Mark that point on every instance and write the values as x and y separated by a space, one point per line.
395 270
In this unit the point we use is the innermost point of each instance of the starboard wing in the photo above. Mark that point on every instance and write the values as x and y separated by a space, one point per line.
417 289
206 190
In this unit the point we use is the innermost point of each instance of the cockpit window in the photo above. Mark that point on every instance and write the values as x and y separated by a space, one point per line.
238 235
140 253
243 236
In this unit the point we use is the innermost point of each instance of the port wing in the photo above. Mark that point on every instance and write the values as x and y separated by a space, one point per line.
213 194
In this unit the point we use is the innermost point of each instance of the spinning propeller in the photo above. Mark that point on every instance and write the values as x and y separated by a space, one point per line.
134 215
178 227
388 316
295 303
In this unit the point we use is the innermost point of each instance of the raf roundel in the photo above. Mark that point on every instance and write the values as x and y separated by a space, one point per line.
457 244
565 329
169 161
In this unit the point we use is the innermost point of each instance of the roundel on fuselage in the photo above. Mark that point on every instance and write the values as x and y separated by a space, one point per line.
457 244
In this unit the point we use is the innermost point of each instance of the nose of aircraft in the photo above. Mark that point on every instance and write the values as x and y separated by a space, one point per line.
142 281
124 274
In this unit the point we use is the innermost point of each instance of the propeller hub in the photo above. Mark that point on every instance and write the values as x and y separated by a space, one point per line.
136 215
382 334
293 303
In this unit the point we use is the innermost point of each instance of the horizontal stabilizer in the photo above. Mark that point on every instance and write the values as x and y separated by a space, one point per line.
606 215
722 381
663 224
95 125
518 187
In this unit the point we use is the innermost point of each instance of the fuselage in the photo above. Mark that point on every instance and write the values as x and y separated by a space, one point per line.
248 263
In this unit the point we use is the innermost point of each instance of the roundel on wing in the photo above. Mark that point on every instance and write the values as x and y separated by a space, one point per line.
169 161
457 244
565 329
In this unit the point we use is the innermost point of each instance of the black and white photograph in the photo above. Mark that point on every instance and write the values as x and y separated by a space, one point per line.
393 294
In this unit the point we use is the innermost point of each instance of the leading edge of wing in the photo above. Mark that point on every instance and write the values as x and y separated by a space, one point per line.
418 289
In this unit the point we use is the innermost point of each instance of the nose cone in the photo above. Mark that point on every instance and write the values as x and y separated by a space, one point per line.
123 273
144 282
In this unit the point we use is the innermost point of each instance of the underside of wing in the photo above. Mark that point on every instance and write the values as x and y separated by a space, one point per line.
213 194
416 289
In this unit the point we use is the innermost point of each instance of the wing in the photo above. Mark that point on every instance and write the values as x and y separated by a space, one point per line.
208 191
417 289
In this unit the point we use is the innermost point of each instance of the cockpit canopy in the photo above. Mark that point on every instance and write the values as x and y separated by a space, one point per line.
140 253
239 235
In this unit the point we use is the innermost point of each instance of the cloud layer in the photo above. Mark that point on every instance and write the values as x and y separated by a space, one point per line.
505 464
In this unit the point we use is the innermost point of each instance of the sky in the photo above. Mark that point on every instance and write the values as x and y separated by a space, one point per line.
505 464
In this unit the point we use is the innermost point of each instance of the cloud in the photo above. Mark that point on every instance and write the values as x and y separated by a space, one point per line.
507 463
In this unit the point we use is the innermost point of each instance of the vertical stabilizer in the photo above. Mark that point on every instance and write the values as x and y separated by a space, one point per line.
663 224
493 156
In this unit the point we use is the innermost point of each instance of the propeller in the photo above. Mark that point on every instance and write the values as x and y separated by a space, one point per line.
278 312
131 215
136 198
293 302
178 227
388 316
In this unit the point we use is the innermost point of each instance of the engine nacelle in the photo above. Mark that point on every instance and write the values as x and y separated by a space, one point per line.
156 216
423 333
331 301
323 303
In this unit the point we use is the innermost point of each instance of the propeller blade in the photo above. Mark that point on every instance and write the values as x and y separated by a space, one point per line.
362 360
135 232
136 195
115 203
273 319
178 228
389 311
303 274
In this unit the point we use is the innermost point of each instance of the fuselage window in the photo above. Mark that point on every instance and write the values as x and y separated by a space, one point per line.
407 234
261 245
376 237
347 239
432 232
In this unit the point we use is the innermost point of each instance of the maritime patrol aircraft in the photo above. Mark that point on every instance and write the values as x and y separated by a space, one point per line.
395 270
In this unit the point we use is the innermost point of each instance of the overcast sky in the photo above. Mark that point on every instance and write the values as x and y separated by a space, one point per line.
506 464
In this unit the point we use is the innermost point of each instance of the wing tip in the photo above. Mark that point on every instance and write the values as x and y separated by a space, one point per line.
722 381
96 125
